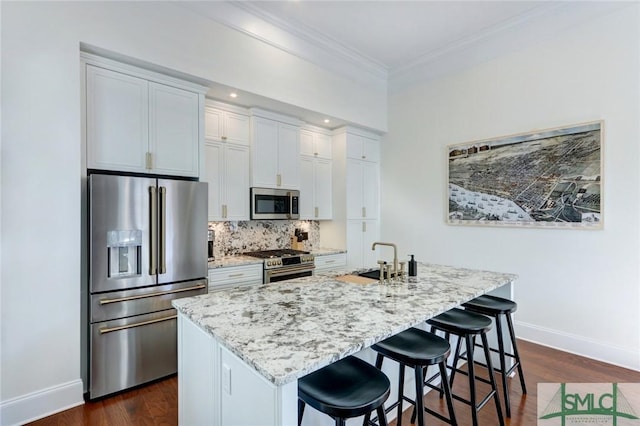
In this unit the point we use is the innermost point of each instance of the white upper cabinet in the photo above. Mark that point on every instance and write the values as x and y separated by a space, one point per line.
314 144
363 148
315 174
227 161
117 120
275 154
362 189
141 121
228 126
174 121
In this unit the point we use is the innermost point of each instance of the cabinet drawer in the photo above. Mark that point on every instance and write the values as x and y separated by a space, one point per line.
233 276
330 261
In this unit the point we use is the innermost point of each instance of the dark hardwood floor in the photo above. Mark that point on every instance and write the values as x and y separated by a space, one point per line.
157 404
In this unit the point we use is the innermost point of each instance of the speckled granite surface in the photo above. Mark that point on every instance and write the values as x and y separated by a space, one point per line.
288 329
325 251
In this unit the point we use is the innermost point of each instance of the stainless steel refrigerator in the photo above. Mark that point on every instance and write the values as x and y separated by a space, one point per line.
147 246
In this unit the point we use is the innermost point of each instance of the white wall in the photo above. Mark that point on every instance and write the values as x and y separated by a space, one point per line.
578 290
41 160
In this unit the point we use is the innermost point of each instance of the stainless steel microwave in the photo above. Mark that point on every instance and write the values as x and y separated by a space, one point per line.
271 204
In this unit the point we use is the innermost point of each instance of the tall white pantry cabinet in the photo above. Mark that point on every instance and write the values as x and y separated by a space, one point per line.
356 189
315 174
140 121
227 161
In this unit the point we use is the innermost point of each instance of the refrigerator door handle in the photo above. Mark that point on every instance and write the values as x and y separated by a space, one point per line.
163 230
153 220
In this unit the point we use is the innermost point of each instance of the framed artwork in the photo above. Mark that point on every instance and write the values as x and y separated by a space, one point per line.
550 178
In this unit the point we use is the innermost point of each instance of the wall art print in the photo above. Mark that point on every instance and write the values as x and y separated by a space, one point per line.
550 178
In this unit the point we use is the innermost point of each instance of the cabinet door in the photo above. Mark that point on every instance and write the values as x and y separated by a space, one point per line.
236 128
370 150
370 190
236 182
265 153
288 156
213 123
117 120
355 236
355 203
323 146
322 190
306 143
354 147
213 154
173 130
371 234
307 188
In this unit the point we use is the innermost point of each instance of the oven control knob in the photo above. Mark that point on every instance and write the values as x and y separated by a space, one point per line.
268 263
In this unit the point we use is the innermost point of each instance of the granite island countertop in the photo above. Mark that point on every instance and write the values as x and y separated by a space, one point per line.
287 329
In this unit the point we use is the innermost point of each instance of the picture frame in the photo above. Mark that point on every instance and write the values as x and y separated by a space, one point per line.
551 178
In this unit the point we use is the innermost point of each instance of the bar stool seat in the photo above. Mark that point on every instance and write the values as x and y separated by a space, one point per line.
498 307
468 325
347 388
417 349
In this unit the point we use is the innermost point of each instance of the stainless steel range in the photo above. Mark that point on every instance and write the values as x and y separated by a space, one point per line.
284 264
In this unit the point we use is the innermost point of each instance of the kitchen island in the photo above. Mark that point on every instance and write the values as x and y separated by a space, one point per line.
241 351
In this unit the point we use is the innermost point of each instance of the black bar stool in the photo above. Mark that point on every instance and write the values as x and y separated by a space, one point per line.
417 349
347 388
468 325
497 307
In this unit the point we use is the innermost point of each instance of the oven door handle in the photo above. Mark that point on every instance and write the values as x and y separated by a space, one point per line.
290 270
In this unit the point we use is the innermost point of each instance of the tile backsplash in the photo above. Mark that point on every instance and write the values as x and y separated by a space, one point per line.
241 237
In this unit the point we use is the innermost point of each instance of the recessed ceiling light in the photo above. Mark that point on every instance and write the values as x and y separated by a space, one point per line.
326 120
233 94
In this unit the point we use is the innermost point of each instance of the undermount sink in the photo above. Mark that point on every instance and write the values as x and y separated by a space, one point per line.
374 274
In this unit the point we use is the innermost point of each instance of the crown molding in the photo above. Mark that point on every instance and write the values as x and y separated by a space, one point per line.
539 24
303 43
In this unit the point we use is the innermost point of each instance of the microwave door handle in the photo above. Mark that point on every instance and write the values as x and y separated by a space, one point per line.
290 195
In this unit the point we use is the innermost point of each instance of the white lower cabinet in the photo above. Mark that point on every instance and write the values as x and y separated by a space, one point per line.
361 234
215 387
328 262
235 276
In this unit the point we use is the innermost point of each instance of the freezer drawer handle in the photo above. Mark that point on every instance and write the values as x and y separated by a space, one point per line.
138 324
143 296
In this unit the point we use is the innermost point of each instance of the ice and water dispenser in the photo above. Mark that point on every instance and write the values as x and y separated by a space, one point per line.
124 253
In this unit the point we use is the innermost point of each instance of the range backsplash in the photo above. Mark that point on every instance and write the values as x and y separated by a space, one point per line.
241 237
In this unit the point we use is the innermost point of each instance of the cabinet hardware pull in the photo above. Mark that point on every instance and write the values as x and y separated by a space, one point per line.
236 275
224 138
279 178
364 212
148 161
138 324
364 226
364 156
315 153
156 294
330 261
316 211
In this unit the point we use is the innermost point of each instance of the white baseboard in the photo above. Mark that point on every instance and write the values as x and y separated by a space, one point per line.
578 345
43 403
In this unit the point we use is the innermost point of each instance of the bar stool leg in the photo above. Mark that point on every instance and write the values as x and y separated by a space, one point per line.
472 379
382 416
492 379
400 395
419 407
301 405
447 391
503 366
515 353
340 422
455 362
